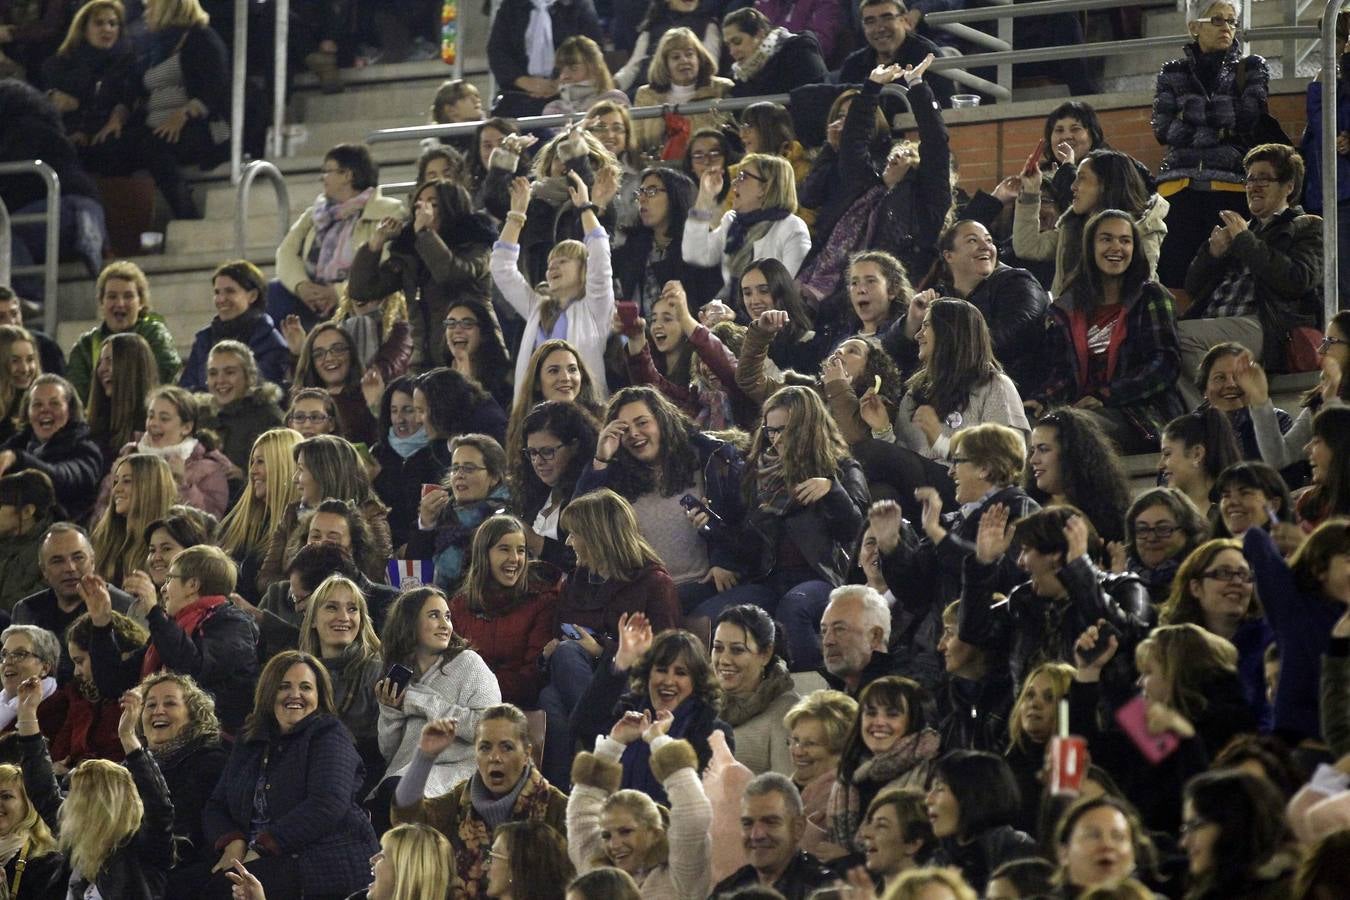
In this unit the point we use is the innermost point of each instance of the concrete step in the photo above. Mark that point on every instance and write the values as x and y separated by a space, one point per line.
407 99
218 234
220 196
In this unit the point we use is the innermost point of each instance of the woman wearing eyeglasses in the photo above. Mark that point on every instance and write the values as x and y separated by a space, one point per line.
557 444
652 251
327 361
312 412
1162 526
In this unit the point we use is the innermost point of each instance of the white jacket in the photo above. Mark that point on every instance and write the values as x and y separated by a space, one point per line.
787 241
460 690
588 319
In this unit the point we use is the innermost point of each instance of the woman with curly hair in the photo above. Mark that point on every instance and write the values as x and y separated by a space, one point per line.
269 490
891 745
557 444
653 676
1071 461
437 256
143 489
326 361
124 376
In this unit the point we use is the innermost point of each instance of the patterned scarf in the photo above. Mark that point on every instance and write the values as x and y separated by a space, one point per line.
737 709
822 276
845 806
744 71
745 230
330 256
771 484
475 836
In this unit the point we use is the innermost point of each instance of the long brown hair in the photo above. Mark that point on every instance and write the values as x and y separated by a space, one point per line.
399 640
961 360
114 418
811 446
608 525
262 721
119 538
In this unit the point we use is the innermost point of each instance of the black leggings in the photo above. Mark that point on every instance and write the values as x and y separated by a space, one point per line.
894 471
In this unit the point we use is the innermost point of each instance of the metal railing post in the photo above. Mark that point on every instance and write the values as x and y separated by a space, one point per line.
1330 214
52 217
283 27
6 253
238 78
272 174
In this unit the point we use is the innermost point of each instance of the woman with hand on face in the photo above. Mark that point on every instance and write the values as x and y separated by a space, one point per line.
652 252
474 488
558 442
647 677
505 607
123 855
666 851
713 150
891 745
1162 527
243 405
327 361
439 253
197 632
269 490
972 803
818 728
239 289
683 69
286 804
757 687
504 786
1213 589
448 681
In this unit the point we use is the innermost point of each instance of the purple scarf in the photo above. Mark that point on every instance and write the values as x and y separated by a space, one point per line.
330 256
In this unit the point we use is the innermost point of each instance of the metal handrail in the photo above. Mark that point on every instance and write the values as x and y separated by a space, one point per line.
1330 214
239 77
272 174
53 219
1022 10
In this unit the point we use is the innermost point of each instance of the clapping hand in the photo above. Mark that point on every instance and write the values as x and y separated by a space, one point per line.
630 727
660 726
913 73
885 74
932 513
93 591
126 723
994 536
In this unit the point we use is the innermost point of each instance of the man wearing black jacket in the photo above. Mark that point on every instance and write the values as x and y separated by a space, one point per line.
772 825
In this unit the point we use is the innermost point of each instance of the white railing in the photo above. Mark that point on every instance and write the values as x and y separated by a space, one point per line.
240 77
263 168
52 218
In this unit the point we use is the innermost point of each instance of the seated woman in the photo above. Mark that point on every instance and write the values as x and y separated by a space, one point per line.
19 366
186 73
179 727
313 412
1238 810
55 441
1125 377
895 834
583 78
477 349
182 527
1162 526
660 19
269 490
337 630
474 488
650 678
123 294
761 223
766 284
327 467
818 728
327 362
1217 381
93 82
1196 447
402 434
682 70
668 851
380 333
243 405
315 258
1071 461
1207 108
768 60
555 373
1328 452
1072 131
33 846
1106 179
576 303
31 652
127 855
747 658
456 101
558 444
314 839
652 251
891 745
123 378
436 256
1011 300
240 299
1031 724
197 632
448 681
142 491
1079 839
972 803
712 149
505 607
1251 495
617 573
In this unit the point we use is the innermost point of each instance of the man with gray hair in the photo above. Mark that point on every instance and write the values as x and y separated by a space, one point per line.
772 825
855 631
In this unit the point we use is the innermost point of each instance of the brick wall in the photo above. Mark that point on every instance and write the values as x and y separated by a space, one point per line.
988 151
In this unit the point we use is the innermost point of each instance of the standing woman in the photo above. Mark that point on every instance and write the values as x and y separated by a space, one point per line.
652 250
449 681
682 70
143 489
558 443
328 361
126 855
286 803
123 379
243 405
269 491
758 690
505 607
240 299
576 300
1070 461
1196 447
1207 109
19 366
187 77
1114 350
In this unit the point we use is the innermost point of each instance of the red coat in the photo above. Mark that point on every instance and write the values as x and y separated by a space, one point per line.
89 730
598 606
510 643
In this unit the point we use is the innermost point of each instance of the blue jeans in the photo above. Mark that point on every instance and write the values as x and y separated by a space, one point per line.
570 670
282 303
796 600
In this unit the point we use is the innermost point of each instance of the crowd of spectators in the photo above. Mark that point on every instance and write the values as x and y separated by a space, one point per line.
685 508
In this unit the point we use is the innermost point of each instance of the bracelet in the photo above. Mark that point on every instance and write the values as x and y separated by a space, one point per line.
601 459
591 206
514 216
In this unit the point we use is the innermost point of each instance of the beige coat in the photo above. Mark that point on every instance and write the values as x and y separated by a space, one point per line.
295 247
650 134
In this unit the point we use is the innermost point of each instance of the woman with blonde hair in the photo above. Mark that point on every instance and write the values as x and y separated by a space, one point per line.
1031 724
818 727
682 70
187 75
269 490
27 848
762 221
124 376
583 78
932 884
143 489
243 405
19 366
127 855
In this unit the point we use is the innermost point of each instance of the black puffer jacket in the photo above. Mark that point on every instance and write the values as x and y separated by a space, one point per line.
973 715
191 774
1205 108
70 459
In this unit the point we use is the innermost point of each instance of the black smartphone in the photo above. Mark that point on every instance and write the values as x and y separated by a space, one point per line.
399 676
693 504
1105 632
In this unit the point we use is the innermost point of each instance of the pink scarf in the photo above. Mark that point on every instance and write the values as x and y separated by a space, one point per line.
330 256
